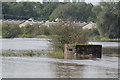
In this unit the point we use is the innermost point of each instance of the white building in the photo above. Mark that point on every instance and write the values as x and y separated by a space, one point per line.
91 25
48 23
31 22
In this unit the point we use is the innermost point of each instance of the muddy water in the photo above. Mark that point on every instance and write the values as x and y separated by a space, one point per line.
44 67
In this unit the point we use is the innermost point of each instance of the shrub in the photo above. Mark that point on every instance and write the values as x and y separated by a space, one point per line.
59 54
10 30
67 34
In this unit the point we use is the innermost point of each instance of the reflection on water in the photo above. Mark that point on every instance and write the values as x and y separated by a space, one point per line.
83 71
113 52
44 67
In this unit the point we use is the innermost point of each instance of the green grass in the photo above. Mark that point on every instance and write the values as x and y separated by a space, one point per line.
41 36
110 40
33 36
56 54
11 55
103 39
30 54
26 36
59 54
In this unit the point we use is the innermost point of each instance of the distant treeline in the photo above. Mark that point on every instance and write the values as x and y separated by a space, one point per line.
26 10
106 15
29 31
48 11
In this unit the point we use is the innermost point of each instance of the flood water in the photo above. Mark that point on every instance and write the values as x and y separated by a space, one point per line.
44 67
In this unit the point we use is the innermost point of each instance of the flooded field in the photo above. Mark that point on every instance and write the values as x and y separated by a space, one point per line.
44 67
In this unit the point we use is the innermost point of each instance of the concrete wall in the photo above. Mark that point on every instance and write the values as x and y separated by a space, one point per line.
72 51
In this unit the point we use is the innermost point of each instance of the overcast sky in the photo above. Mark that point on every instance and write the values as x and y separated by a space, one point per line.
94 2
87 1
61 0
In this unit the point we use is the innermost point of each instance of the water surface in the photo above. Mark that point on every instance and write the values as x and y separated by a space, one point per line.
44 67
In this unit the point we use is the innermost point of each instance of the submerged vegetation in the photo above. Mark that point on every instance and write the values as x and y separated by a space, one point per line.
25 54
59 54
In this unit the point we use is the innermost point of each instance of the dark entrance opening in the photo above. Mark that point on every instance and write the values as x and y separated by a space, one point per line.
95 50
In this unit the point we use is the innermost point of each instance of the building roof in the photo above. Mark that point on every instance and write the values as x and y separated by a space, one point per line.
30 22
91 25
